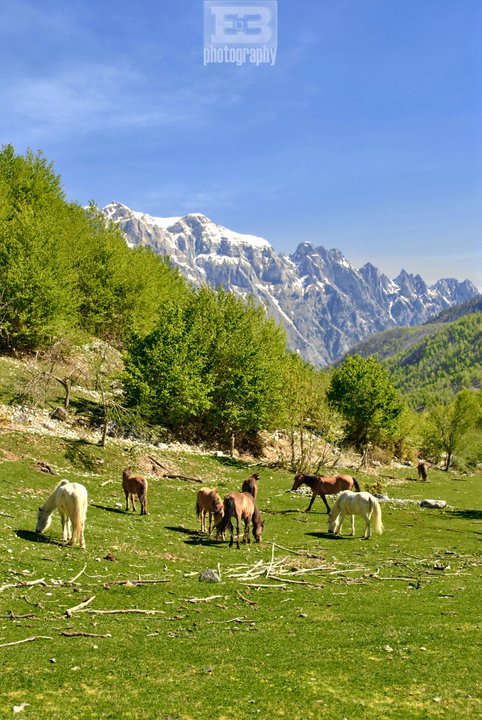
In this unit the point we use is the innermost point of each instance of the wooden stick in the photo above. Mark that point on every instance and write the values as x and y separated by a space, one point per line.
68 613
107 585
26 640
183 477
78 575
156 462
296 582
84 634
272 560
219 622
261 585
406 579
11 616
205 599
246 600
296 552
24 583
123 611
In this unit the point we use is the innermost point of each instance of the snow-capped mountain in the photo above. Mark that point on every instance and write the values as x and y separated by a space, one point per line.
325 304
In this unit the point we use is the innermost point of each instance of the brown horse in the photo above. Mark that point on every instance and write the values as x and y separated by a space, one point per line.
135 485
325 486
209 501
241 506
422 469
251 485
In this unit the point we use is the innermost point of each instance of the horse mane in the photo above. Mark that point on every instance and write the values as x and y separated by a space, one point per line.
251 485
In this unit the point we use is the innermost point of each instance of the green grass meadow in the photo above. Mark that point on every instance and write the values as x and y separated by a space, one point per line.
320 627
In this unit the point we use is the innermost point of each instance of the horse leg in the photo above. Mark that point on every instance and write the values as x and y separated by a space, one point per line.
311 503
247 538
210 523
367 528
352 524
231 530
237 534
65 527
143 500
323 497
126 493
72 531
133 503
341 517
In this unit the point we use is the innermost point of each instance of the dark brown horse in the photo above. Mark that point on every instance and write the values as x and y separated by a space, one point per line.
208 501
422 469
325 486
251 485
241 506
135 485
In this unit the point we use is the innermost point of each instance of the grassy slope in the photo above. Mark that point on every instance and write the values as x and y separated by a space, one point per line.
298 651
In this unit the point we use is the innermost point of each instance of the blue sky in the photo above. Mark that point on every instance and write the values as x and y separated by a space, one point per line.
365 135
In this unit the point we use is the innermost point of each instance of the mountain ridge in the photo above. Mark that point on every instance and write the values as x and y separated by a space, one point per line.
325 304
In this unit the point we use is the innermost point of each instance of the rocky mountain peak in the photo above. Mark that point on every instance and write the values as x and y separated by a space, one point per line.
325 304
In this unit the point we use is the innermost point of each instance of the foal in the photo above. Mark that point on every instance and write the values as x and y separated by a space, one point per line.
241 506
325 486
209 501
135 485
251 485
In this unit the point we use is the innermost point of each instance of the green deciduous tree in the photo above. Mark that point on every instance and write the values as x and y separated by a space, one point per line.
362 391
305 407
36 280
450 429
211 367
245 368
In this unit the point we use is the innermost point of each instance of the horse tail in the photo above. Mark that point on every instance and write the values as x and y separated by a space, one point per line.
377 515
356 484
198 507
229 510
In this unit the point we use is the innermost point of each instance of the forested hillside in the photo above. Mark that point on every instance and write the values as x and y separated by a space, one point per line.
457 311
64 270
431 363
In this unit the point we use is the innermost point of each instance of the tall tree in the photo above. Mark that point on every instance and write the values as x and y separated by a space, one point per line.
37 298
449 428
362 391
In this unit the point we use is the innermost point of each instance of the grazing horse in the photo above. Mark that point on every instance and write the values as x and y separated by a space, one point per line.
325 486
422 469
209 501
135 485
241 506
251 485
360 503
70 499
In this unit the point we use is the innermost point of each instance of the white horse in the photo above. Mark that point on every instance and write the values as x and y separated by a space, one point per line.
351 503
70 499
